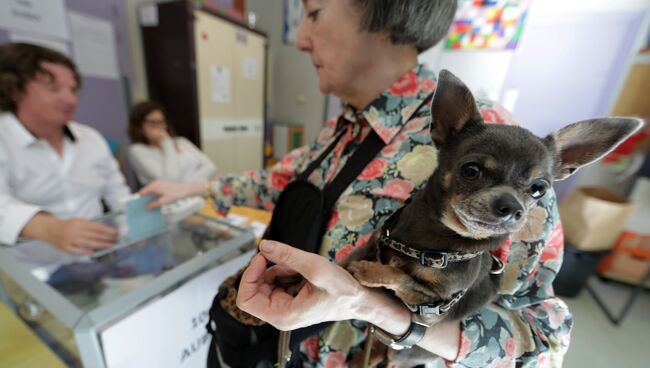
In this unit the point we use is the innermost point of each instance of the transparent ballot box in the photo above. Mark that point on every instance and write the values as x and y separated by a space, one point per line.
143 302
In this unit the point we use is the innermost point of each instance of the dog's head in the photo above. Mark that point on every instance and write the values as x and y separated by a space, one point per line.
491 175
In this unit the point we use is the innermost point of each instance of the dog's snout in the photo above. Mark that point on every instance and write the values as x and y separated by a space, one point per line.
506 206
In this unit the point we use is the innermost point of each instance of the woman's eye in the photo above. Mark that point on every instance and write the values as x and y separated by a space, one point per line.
470 171
313 15
538 189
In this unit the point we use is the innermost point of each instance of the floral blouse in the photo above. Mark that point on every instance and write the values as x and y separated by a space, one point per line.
528 326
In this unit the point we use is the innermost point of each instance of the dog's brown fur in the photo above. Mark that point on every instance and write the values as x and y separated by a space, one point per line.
457 212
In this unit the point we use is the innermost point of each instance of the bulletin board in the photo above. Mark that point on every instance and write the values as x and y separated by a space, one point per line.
487 24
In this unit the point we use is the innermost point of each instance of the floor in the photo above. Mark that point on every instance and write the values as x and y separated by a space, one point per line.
596 342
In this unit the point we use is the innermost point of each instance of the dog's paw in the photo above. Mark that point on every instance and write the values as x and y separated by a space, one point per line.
375 274
361 271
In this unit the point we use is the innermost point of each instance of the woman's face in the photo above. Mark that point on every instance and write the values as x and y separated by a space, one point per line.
154 126
329 32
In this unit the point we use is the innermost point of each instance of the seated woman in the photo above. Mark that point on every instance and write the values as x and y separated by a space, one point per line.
156 153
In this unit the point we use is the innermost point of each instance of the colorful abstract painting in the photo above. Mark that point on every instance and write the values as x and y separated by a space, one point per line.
487 24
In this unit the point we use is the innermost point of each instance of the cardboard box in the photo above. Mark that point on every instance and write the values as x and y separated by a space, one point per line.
593 218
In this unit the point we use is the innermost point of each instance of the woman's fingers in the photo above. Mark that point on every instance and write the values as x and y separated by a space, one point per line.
252 281
312 266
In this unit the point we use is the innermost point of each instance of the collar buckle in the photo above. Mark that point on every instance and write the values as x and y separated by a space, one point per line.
429 309
440 259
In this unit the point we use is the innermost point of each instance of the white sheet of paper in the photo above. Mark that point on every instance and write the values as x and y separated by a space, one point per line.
148 15
258 228
249 68
93 42
41 41
220 84
237 220
41 17
184 311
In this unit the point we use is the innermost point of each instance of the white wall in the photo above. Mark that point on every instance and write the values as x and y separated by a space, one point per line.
485 71
138 80
293 92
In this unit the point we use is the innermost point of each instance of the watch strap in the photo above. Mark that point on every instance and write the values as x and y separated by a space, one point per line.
413 335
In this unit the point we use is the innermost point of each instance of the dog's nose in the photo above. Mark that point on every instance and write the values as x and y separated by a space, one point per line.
506 206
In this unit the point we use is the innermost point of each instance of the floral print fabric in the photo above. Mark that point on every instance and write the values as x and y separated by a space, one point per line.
526 327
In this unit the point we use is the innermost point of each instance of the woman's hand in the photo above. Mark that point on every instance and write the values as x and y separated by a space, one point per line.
330 293
170 191
156 134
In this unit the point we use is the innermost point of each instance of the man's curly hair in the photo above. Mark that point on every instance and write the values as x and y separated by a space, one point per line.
21 63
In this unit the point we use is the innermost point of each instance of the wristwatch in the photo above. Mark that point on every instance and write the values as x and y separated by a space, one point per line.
413 335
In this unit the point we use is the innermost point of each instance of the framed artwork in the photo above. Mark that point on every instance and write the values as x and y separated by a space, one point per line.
487 24
293 12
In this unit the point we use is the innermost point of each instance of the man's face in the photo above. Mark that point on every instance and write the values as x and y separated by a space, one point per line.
49 99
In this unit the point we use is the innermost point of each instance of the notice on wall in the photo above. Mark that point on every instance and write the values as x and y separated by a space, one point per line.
59 46
249 68
220 78
93 43
169 332
148 15
40 17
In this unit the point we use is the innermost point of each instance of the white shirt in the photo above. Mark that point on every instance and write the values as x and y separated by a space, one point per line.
187 164
33 177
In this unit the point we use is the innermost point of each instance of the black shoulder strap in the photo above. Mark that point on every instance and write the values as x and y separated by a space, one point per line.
366 151
314 164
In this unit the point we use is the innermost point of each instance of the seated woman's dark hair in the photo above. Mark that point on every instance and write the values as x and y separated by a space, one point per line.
137 117
420 23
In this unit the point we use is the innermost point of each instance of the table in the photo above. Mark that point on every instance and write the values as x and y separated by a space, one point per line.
86 299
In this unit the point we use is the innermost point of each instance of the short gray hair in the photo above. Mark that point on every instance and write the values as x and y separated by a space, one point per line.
420 23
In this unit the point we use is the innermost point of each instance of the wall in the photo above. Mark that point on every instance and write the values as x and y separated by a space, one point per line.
294 96
485 72
102 102
547 84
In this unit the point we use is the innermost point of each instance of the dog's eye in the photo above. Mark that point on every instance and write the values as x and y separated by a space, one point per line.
538 189
470 171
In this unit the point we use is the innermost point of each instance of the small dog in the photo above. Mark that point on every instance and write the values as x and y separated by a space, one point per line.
435 252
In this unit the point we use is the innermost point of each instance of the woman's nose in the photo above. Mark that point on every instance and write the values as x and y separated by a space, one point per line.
303 43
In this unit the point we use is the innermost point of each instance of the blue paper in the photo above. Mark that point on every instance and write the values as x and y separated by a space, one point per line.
143 222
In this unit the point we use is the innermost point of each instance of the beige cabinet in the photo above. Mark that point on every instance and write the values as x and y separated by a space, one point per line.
210 73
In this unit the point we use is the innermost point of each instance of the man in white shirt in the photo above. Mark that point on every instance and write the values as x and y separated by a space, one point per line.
53 171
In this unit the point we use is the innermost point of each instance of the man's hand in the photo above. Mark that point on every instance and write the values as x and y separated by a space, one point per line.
74 235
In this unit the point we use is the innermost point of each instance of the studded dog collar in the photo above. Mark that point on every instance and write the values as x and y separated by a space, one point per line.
433 259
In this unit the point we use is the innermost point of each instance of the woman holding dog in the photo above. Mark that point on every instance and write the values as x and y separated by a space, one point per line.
365 52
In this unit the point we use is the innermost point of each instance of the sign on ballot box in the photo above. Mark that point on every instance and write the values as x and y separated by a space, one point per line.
169 331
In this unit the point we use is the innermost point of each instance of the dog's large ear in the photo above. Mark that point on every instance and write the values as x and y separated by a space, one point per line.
452 108
584 142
